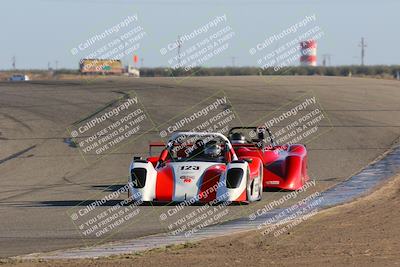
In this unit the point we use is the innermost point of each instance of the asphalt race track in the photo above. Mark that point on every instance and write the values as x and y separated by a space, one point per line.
42 177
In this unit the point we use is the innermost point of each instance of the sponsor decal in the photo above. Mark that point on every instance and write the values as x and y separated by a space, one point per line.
186 178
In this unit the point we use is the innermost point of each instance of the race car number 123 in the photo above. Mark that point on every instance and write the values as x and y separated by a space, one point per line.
190 168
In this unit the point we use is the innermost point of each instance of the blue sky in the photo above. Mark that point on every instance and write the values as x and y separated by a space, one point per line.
42 31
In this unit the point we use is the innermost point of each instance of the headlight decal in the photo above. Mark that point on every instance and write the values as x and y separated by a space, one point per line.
234 177
138 176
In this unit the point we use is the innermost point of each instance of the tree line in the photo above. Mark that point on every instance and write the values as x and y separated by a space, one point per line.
378 70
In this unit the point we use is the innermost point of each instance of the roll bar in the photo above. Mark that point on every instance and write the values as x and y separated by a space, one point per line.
253 128
175 136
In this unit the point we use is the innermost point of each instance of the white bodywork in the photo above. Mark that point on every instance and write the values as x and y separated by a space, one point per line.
189 191
233 194
148 192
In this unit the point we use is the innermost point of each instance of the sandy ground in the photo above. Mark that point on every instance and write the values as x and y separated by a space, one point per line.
365 232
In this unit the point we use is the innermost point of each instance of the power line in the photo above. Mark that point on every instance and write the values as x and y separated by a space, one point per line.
363 45
179 42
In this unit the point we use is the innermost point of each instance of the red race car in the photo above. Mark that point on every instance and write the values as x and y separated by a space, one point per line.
285 166
196 167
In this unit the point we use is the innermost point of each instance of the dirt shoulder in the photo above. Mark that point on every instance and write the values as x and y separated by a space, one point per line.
362 233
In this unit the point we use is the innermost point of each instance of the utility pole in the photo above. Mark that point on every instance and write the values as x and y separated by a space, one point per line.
179 50
233 61
326 61
13 60
141 62
56 66
363 45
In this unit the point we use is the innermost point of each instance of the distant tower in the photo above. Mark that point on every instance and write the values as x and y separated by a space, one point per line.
326 60
179 42
308 51
363 45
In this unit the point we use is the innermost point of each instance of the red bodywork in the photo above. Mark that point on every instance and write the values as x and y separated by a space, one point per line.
285 166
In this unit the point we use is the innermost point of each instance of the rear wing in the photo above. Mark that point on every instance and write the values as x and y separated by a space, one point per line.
155 144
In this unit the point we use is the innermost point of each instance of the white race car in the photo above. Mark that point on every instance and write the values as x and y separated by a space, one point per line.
196 167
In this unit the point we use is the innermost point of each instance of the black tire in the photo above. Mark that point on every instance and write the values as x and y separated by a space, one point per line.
261 183
260 187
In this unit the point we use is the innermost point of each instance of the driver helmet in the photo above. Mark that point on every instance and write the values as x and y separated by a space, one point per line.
238 138
199 144
213 149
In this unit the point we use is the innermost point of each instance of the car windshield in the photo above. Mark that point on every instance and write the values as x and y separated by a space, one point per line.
197 148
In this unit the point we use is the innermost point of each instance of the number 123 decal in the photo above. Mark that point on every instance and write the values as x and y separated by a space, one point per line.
190 168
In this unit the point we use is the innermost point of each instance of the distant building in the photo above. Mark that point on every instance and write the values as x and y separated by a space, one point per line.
100 66
132 71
